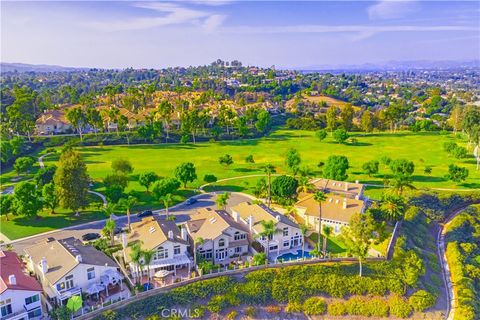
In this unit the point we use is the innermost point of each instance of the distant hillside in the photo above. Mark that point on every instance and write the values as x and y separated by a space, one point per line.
396 66
23 67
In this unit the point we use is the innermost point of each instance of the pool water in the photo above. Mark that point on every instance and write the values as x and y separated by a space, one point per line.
293 256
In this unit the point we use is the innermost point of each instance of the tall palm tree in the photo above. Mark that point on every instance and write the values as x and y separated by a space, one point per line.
199 241
303 231
269 169
129 203
394 207
269 229
167 201
136 258
222 200
109 209
147 260
327 232
319 197
109 230
304 185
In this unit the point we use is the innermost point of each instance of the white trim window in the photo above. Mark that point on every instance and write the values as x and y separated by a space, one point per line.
162 253
91 273
285 231
176 250
6 307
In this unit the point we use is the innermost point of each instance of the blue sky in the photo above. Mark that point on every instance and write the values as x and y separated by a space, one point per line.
152 34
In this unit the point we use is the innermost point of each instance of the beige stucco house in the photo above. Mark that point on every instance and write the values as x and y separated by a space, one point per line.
224 239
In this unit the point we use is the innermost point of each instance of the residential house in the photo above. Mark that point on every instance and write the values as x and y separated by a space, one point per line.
288 236
20 293
67 267
336 211
164 237
52 122
224 239
347 189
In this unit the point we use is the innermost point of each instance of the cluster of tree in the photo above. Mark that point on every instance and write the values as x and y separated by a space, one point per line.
65 186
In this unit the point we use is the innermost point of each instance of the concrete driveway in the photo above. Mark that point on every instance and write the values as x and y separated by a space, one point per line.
180 211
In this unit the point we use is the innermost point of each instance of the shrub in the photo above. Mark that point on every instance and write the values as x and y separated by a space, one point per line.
217 303
377 307
314 306
422 300
232 315
399 307
337 309
209 178
293 307
356 306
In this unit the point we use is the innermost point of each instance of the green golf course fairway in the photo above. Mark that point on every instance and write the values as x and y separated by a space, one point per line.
424 149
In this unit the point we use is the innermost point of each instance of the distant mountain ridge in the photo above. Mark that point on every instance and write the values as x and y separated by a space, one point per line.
25 67
387 66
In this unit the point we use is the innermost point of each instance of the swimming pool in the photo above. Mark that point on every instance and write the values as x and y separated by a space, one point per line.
293 256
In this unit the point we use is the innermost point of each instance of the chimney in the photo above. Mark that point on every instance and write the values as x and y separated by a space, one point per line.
170 234
346 186
250 223
277 217
12 280
357 197
184 234
78 257
44 265
344 203
236 216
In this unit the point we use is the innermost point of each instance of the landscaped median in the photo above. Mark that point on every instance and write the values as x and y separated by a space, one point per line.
309 288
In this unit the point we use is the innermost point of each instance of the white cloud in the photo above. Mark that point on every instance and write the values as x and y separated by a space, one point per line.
360 29
213 22
170 14
392 9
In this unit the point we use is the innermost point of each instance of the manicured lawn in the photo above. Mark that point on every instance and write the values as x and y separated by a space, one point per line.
20 226
424 149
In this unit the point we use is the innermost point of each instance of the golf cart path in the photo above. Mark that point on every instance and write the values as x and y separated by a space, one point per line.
444 263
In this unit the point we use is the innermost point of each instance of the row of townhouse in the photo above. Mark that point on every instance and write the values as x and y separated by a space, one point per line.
212 235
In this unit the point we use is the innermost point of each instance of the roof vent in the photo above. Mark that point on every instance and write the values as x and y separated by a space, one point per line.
212 220
78 257
170 234
278 217
12 280
152 229
330 200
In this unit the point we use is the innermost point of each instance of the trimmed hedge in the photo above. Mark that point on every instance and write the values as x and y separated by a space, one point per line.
314 306
399 307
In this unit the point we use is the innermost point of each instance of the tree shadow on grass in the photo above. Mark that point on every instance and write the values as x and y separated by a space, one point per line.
428 178
229 188
244 170
359 144
471 185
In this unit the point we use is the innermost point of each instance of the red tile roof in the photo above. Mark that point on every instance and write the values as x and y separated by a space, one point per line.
10 264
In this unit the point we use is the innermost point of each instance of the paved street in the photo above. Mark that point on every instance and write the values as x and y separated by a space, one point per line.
180 211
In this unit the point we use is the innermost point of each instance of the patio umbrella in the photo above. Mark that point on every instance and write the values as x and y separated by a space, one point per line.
74 303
